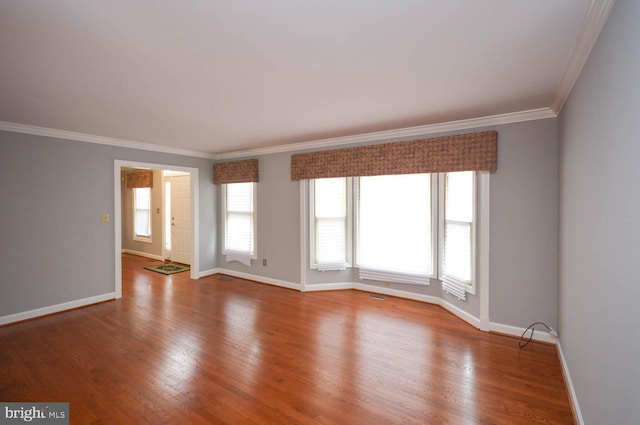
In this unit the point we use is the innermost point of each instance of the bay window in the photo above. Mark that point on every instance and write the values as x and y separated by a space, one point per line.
408 228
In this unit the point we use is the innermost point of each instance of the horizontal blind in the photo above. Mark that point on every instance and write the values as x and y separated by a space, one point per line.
142 205
330 223
239 231
457 269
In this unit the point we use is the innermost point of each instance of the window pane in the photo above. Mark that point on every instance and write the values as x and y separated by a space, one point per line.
459 196
331 197
239 216
331 241
240 197
457 251
394 223
458 226
142 217
239 232
142 223
330 221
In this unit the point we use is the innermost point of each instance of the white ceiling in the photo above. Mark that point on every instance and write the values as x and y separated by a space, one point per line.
229 75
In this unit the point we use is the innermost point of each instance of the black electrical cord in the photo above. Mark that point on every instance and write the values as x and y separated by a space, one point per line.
532 327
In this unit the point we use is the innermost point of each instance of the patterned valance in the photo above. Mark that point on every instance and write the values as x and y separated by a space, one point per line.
139 178
236 172
464 152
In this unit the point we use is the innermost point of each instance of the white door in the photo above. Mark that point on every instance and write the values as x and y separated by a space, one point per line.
181 219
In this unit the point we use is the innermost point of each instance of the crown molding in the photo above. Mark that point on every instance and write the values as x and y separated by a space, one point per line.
89 138
423 130
592 25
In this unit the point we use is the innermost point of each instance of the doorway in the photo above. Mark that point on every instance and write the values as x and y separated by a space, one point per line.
183 243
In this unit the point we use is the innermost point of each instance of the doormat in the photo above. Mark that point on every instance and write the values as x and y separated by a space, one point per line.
170 268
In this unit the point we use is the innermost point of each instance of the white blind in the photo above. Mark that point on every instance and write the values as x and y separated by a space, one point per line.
330 223
394 227
142 205
239 218
457 268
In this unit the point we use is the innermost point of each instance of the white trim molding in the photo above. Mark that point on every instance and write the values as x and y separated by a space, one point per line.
142 254
39 312
90 138
117 216
538 335
461 314
573 398
592 25
423 130
338 286
259 279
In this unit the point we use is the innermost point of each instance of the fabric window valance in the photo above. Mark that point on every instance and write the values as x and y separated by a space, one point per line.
464 152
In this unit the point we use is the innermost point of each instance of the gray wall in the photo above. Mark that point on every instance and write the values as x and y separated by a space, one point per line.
599 222
55 248
524 226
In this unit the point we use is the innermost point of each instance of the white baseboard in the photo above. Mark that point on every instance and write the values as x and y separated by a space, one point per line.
143 254
460 313
31 314
538 335
261 279
573 399
339 286
396 293
206 273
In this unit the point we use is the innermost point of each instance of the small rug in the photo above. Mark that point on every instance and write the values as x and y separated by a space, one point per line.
170 268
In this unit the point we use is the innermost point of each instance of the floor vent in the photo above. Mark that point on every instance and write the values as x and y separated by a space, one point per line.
225 278
377 297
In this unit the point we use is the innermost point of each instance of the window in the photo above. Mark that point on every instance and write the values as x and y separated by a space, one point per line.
408 228
394 227
458 233
330 208
142 214
239 221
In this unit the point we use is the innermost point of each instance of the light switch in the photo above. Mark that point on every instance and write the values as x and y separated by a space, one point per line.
105 217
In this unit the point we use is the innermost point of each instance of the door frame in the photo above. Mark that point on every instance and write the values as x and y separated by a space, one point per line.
117 215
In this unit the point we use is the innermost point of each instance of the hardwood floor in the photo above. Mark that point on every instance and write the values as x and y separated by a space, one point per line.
173 350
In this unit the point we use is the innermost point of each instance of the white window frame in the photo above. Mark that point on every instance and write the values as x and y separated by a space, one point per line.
313 264
470 287
480 231
240 255
395 276
136 236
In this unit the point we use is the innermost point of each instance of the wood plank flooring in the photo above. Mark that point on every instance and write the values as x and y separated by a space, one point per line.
215 351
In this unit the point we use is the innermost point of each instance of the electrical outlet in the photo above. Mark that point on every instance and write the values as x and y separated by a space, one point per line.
387 284
105 217
264 261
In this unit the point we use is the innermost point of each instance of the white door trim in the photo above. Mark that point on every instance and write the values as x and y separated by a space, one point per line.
117 215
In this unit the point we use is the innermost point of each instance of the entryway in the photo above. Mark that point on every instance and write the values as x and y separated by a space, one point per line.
172 211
